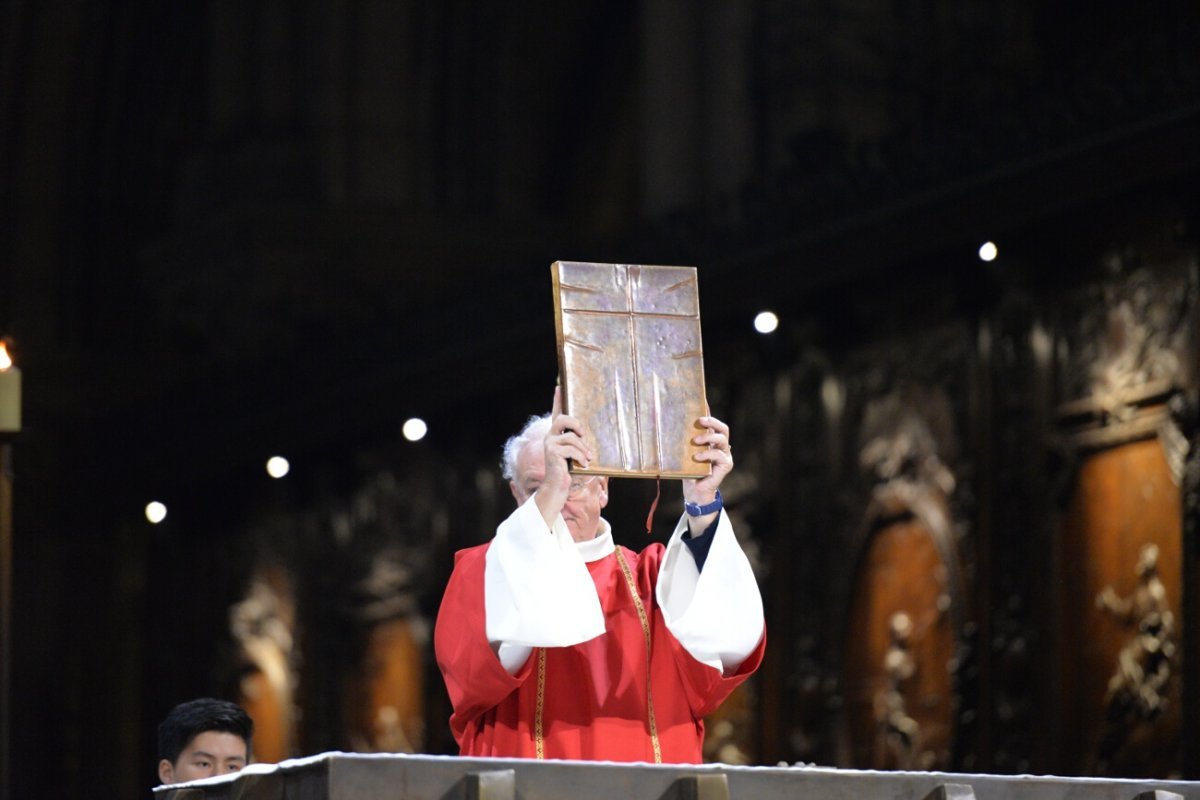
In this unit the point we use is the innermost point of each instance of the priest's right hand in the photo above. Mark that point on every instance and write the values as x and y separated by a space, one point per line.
564 442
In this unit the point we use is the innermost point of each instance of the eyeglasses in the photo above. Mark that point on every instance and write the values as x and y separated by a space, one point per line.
575 488
579 486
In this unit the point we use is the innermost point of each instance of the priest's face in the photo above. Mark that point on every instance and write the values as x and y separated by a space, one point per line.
582 509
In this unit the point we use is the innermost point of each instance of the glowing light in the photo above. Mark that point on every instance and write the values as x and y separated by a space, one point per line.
10 391
277 466
414 429
156 512
988 251
833 395
766 322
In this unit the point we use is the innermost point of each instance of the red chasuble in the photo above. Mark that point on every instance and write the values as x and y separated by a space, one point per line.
590 700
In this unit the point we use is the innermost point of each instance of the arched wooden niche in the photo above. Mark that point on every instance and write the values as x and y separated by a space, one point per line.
262 625
907 603
1127 355
387 710
901 636
1120 593
385 689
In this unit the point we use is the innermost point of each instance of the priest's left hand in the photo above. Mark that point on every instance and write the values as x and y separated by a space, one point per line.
702 491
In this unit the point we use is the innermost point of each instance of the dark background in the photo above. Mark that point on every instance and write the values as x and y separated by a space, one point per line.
239 228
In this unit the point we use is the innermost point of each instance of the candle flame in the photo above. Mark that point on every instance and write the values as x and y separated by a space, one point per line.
5 359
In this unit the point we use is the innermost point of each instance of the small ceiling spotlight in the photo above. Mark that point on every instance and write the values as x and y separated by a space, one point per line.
156 512
278 466
988 251
414 429
766 322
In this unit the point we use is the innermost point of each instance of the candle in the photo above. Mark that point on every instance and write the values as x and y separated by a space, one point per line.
10 393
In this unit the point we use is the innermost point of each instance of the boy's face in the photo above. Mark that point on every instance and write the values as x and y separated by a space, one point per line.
209 753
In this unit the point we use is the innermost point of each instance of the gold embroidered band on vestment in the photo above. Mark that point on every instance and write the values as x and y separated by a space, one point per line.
539 738
641 610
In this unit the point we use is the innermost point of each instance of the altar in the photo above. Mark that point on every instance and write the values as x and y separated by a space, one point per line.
349 776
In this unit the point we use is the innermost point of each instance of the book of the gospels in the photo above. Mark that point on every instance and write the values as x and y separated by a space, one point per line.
631 365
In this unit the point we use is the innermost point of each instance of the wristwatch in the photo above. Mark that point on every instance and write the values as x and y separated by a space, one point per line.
694 510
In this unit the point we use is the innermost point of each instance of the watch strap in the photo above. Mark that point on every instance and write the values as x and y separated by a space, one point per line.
696 510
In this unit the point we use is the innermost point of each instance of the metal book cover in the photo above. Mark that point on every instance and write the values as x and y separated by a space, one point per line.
631 365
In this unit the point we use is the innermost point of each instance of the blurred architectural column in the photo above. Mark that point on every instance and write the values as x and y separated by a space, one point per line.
698 141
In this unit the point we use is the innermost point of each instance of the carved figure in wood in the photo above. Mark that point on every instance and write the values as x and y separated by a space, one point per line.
261 624
1138 688
897 732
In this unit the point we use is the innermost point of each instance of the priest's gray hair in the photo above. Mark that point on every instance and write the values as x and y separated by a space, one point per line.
535 430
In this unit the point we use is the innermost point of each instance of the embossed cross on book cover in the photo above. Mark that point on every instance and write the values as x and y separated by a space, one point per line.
631 365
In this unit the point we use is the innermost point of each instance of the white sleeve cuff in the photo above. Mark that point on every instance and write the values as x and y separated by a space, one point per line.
536 588
513 656
717 613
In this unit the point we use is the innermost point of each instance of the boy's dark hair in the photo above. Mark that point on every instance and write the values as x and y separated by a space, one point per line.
188 720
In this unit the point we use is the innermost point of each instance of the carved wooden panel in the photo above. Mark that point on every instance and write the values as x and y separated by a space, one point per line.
387 713
331 644
903 548
1121 586
263 626
727 731
900 652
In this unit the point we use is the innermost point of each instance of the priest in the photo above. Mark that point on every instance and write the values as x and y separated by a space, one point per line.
556 643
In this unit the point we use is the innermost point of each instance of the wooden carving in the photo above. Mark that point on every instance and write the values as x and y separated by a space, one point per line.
1139 689
1122 531
262 625
907 603
1122 535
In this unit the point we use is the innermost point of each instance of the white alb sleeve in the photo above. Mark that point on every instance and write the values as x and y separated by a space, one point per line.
715 613
537 591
